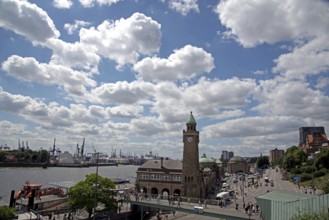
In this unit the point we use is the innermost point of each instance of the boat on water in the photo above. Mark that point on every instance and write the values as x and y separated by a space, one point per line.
28 189
34 197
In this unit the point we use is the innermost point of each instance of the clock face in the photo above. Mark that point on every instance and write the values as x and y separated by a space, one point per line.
189 139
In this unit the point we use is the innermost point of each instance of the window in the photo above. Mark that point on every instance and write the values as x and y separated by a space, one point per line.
144 176
154 176
166 178
177 178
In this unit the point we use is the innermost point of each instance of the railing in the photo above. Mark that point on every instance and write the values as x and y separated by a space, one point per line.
206 207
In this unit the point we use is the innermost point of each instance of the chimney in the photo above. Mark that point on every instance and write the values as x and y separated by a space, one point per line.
161 162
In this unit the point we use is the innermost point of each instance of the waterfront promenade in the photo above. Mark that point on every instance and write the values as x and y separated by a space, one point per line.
173 211
210 209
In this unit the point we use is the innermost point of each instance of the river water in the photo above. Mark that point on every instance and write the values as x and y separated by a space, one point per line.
14 178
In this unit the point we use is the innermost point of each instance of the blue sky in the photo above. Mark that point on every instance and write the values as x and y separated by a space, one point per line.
125 74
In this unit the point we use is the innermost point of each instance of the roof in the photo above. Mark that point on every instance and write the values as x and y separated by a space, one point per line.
236 159
191 119
168 164
283 205
205 159
32 185
218 161
284 196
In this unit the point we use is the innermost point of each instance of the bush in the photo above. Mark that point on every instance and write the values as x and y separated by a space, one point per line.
308 169
306 176
296 170
319 173
311 216
7 213
309 162
326 188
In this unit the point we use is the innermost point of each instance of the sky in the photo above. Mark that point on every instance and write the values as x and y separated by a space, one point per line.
125 74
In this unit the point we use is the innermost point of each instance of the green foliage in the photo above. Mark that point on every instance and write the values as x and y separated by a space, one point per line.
294 157
310 162
262 162
319 173
43 156
322 159
277 162
326 188
3 156
306 176
7 213
93 188
308 169
27 156
311 216
296 170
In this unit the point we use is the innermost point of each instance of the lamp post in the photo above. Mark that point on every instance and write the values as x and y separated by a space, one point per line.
96 183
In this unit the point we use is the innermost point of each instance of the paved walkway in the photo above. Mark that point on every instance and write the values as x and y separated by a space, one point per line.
209 210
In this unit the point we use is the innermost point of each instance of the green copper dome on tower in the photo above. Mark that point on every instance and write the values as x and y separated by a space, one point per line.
191 119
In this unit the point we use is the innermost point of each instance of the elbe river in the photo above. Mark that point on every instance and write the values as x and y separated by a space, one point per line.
13 178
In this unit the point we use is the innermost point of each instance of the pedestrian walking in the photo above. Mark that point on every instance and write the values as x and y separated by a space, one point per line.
205 203
178 202
188 201
237 206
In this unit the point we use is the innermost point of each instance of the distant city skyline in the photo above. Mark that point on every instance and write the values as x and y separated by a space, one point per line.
125 75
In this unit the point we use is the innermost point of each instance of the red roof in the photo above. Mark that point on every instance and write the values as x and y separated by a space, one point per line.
32 185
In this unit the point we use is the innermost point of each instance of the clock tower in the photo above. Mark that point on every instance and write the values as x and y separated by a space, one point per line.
191 181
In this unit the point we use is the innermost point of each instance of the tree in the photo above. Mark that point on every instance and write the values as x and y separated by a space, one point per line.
294 157
322 159
262 162
43 156
2 156
277 162
7 213
94 188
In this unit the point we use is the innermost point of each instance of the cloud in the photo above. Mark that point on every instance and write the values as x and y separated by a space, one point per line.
184 6
206 98
122 92
322 83
62 3
71 28
74 55
184 63
315 52
296 98
252 126
51 116
302 22
28 20
30 70
8 128
124 40
18 104
91 3
280 21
